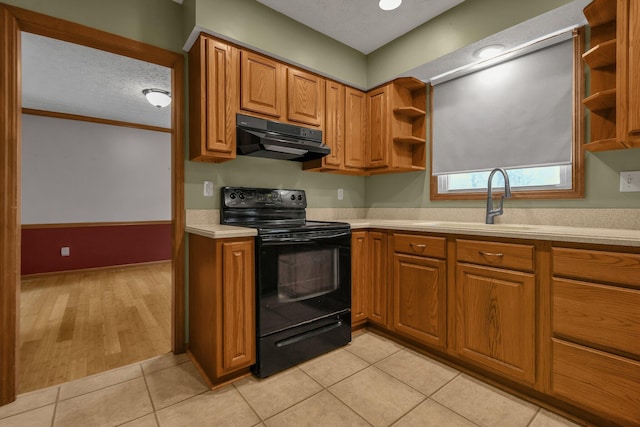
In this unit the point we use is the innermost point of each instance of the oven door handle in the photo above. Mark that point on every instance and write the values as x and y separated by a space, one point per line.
286 240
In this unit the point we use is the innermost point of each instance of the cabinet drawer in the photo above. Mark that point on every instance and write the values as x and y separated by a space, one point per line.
435 247
614 267
505 255
597 314
598 381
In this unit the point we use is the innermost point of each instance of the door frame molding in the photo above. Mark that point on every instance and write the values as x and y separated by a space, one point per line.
13 21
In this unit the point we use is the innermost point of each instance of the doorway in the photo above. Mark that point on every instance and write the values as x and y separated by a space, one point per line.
14 22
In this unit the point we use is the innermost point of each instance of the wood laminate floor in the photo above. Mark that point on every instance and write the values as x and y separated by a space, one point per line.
76 324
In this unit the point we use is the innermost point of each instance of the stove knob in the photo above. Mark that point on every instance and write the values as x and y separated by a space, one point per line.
241 196
299 196
293 197
232 196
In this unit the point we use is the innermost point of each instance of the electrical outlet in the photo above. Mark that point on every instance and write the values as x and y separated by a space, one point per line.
64 251
340 194
629 181
208 189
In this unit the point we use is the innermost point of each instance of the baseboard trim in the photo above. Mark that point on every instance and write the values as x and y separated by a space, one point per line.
105 268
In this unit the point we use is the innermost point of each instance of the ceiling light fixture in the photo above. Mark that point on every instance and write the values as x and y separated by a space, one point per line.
157 97
488 51
389 4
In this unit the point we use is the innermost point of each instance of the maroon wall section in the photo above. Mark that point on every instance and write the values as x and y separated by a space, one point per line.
93 246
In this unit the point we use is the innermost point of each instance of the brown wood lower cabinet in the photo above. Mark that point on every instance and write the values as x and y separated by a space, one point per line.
378 280
359 277
419 288
419 298
496 307
557 321
495 320
598 381
595 331
221 306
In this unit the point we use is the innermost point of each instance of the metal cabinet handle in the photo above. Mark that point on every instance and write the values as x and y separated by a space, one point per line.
419 246
495 254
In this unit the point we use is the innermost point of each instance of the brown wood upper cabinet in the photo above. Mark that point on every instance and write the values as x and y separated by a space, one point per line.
628 80
355 139
595 331
221 306
345 131
613 59
420 288
262 85
213 100
382 131
397 127
305 98
496 307
276 91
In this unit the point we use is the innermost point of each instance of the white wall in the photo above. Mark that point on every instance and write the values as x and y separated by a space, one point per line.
75 171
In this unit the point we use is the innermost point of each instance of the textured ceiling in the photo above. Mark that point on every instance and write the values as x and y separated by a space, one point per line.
69 78
361 24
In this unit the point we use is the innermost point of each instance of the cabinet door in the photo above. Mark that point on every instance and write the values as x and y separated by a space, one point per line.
222 95
236 296
355 129
262 85
334 122
378 280
495 319
378 126
419 296
359 277
629 72
214 91
305 97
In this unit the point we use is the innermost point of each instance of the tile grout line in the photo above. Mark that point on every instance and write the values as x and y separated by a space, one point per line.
534 416
55 407
246 401
153 406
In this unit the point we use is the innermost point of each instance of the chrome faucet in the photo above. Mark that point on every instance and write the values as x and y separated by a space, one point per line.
491 212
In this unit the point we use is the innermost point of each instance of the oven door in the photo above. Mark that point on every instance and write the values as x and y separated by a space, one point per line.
302 277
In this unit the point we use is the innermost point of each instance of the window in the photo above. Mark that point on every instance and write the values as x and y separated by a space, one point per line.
531 179
523 114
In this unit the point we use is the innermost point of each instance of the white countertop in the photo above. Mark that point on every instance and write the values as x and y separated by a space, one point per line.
219 231
604 236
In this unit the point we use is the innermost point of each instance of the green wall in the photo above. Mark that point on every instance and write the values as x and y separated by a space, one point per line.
166 24
157 22
246 171
602 184
253 24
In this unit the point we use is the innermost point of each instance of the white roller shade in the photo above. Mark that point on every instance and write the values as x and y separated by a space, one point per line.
515 114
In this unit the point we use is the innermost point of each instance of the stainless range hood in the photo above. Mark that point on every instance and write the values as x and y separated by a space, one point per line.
274 140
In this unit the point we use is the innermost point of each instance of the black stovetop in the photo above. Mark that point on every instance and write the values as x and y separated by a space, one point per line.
270 210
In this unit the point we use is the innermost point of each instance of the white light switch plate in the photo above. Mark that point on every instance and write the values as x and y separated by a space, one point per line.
629 181
208 189
340 194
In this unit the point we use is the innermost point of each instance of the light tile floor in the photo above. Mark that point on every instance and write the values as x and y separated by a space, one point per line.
371 382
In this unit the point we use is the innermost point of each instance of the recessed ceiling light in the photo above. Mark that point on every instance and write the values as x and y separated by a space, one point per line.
157 97
389 4
488 51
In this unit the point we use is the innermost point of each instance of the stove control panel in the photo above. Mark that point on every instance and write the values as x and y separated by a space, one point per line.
256 198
